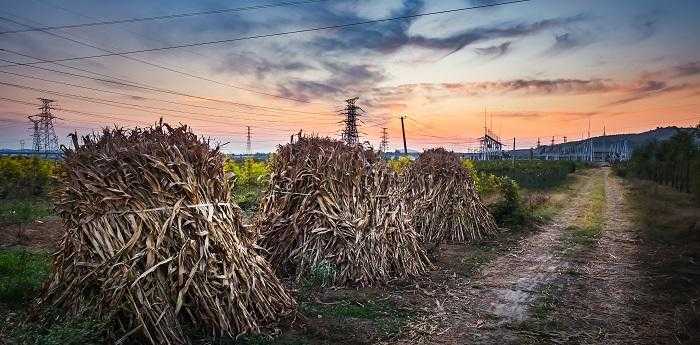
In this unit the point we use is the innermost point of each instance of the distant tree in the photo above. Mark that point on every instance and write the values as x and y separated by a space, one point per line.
675 162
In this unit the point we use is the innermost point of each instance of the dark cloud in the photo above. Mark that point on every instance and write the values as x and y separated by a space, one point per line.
388 37
541 86
689 69
494 51
250 63
344 80
655 90
397 94
650 86
569 41
542 114
645 25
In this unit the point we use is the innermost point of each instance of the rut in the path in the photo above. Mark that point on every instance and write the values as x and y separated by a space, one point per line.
481 311
606 304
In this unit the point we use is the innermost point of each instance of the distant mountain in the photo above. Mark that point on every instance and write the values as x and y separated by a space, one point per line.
608 143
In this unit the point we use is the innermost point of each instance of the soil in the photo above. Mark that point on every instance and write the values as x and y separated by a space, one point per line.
546 292
528 287
44 234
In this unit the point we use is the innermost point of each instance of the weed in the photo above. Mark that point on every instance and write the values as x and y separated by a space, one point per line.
589 226
85 330
22 273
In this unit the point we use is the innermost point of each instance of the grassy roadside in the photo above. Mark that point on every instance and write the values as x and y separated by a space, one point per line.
669 226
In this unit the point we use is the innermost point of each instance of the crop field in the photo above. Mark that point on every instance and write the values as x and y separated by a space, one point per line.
358 251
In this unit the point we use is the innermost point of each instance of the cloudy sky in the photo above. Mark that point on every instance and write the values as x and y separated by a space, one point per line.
542 68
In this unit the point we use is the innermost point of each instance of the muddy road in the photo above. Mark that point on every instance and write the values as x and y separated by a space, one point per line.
576 281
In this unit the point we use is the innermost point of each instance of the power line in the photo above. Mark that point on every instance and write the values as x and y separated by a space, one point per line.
170 16
285 33
132 32
109 116
131 95
166 68
145 86
119 104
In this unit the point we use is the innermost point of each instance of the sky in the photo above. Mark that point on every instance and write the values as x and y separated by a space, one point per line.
536 69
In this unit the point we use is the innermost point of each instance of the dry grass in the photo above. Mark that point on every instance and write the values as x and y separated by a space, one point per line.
152 242
444 203
334 208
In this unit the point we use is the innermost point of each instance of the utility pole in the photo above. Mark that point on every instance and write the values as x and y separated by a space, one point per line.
44 135
513 155
384 144
248 145
350 134
21 145
403 133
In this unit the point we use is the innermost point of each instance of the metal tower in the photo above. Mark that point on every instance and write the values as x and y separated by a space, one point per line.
384 144
44 137
248 145
350 134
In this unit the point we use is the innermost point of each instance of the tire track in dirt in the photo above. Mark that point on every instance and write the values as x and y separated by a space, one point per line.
605 305
485 309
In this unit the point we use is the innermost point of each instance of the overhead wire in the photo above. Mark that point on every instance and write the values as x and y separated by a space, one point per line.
125 105
170 16
133 96
150 88
159 66
292 32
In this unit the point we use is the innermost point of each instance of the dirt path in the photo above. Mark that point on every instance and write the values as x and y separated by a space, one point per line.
606 304
548 291
484 309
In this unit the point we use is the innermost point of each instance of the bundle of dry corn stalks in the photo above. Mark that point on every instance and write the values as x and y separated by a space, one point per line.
152 241
443 200
331 205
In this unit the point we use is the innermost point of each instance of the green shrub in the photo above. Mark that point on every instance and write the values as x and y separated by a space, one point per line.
509 210
531 174
400 164
22 274
22 177
251 177
321 275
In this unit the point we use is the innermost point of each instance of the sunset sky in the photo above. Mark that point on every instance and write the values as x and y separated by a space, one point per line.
540 68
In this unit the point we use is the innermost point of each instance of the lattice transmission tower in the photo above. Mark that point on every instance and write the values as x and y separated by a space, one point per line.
44 137
352 112
384 144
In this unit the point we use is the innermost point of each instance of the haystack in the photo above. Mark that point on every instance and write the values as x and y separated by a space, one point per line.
332 206
153 242
444 202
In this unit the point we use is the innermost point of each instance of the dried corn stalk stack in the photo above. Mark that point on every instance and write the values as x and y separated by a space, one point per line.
330 204
152 242
444 202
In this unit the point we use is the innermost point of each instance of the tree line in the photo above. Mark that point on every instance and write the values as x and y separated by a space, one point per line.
674 162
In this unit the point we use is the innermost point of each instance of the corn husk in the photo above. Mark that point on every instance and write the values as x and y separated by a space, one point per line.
333 205
443 201
153 242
